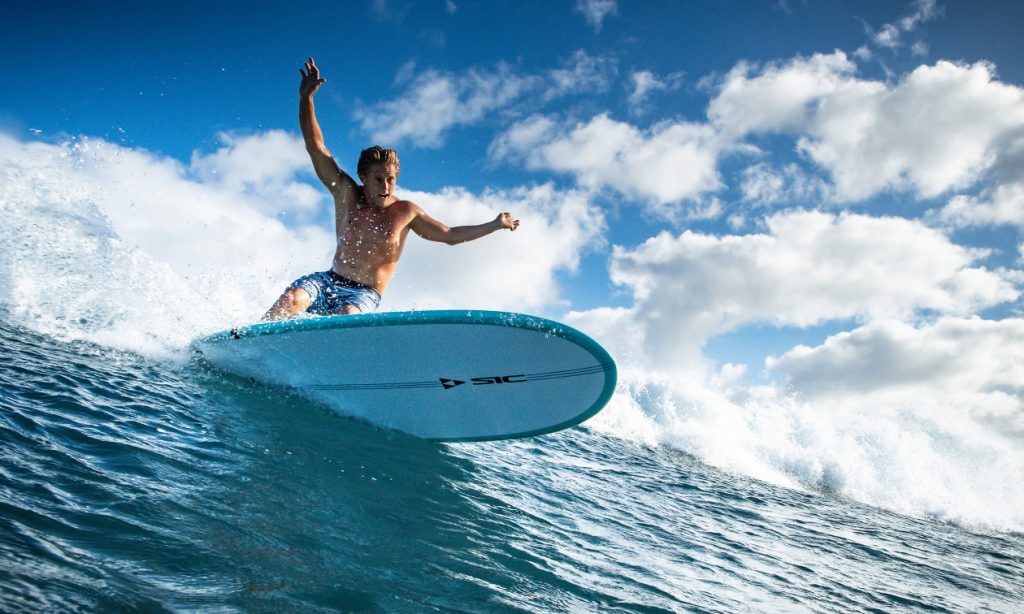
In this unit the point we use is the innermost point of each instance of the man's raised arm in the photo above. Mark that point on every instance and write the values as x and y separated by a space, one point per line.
326 167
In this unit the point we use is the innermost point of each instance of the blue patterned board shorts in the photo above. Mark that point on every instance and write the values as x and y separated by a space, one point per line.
332 292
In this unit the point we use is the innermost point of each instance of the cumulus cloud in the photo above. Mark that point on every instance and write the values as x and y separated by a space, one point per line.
950 355
781 97
976 365
938 129
941 129
805 269
764 185
435 101
264 167
1000 203
663 166
594 11
509 270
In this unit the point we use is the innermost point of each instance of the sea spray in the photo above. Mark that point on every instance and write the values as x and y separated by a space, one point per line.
922 456
122 248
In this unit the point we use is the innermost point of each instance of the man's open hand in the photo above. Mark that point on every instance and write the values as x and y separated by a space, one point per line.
311 80
506 221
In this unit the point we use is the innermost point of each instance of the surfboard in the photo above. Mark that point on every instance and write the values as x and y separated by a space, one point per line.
440 375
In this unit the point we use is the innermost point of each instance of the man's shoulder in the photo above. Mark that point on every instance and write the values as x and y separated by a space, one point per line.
406 207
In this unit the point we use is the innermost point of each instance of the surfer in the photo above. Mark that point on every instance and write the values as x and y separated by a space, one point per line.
371 224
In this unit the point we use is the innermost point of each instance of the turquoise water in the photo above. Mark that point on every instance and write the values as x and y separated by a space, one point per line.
144 483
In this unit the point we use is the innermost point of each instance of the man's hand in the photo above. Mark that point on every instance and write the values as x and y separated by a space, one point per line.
506 221
311 80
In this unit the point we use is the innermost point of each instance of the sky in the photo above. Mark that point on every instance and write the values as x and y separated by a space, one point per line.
824 194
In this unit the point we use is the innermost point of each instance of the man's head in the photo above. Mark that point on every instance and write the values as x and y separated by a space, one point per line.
376 155
378 170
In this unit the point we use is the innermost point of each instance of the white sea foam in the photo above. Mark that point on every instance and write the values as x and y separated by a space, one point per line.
122 248
925 456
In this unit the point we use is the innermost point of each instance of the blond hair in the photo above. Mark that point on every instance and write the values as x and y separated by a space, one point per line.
376 155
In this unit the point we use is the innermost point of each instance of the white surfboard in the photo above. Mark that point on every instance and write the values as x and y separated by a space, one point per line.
442 375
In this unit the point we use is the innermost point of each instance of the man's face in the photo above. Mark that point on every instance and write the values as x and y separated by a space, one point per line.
379 184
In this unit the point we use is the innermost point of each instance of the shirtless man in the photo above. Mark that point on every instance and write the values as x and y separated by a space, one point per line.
371 224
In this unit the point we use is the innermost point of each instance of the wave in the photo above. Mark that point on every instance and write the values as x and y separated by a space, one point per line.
75 266
924 456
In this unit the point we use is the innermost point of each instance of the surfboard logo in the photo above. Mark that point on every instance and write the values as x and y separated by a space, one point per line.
450 383
498 379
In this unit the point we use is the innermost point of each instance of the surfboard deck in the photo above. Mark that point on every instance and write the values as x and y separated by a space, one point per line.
440 375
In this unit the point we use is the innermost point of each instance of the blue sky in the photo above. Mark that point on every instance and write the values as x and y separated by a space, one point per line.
680 130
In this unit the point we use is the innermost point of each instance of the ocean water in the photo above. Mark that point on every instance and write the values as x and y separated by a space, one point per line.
135 478
130 483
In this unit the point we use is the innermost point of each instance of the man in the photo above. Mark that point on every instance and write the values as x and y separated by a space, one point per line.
371 224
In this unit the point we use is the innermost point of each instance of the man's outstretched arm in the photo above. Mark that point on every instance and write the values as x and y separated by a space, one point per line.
433 230
326 167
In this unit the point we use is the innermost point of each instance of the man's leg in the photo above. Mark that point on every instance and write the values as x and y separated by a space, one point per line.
292 302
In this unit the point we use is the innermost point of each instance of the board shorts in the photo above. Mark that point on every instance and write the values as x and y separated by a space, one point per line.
332 292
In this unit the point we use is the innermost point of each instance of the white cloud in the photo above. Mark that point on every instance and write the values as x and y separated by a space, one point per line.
806 269
950 356
890 35
507 270
594 11
1003 205
764 185
645 83
581 73
939 129
663 166
975 366
781 97
435 101
999 203
263 166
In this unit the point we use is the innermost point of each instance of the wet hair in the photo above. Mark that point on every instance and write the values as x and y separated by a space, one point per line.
376 155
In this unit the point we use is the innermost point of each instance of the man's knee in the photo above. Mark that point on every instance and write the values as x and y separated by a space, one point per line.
297 299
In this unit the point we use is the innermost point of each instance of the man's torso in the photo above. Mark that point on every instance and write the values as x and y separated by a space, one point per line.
370 241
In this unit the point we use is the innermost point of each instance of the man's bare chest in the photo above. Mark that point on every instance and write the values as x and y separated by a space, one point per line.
370 229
